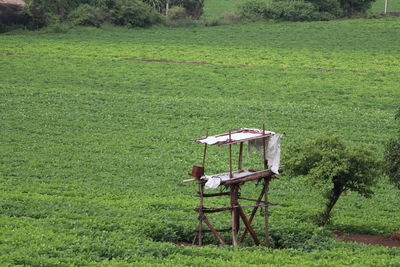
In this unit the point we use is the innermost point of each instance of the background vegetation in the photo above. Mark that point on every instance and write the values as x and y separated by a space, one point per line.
95 141
61 15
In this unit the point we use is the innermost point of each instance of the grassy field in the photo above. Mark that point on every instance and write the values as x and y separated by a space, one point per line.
95 142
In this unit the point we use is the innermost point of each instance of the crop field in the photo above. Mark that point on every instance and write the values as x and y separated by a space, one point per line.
96 123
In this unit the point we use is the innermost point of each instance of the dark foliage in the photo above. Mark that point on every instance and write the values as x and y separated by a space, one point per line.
353 7
131 13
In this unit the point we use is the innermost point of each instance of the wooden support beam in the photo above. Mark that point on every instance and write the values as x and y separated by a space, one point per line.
218 209
252 177
266 189
218 230
200 228
212 229
215 194
234 214
250 199
230 158
240 156
253 213
248 226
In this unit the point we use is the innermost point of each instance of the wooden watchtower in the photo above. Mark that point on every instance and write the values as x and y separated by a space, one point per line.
235 179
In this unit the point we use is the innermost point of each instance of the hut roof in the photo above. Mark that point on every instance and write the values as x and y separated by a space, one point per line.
237 136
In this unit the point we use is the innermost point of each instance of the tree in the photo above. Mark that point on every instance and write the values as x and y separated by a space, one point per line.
334 168
392 157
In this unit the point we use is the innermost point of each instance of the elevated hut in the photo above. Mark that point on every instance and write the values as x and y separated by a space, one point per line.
268 145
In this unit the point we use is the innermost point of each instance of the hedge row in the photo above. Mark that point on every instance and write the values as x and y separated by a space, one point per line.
299 10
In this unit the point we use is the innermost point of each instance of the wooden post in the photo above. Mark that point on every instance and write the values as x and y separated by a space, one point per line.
266 189
240 156
213 230
253 213
201 195
200 233
248 226
230 157
204 152
234 214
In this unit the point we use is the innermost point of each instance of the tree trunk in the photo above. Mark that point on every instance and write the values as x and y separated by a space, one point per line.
332 199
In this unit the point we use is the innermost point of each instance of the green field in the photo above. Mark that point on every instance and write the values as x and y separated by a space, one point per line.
95 142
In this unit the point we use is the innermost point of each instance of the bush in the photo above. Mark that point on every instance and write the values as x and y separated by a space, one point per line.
177 12
87 15
328 6
133 14
307 10
253 10
279 10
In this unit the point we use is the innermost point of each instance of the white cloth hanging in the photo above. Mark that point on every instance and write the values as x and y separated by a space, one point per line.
273 150
273 154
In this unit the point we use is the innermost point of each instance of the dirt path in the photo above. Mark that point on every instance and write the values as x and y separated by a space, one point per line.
387 241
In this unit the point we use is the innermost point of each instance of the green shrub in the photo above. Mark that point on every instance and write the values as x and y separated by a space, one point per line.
253 9
293 11
327 6
133 14
87 15
177 12
279 10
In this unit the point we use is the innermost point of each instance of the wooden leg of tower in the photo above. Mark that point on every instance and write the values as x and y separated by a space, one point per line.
212 229
266 189
201 215
253 213
234 214
248 226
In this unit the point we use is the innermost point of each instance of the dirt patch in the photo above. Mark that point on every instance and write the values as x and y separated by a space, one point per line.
181 62
167 61
387 241
394 14
5 53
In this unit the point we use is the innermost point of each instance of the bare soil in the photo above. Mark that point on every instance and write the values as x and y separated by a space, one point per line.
387 241
167 61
